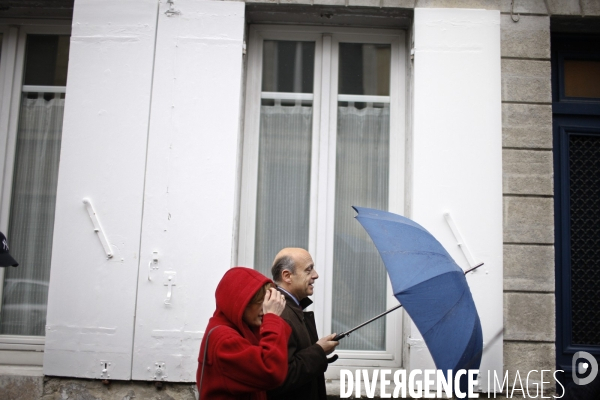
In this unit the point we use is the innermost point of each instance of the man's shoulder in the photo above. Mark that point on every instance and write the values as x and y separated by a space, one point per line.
291 312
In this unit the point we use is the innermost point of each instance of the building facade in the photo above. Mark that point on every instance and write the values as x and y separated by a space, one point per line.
150 145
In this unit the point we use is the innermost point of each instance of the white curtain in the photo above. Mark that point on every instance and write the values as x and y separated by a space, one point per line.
31 223
283 199
362 176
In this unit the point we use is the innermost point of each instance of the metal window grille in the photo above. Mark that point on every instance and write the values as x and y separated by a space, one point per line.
584 160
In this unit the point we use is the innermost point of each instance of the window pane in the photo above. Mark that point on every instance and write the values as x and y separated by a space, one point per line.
46 60
288 66
33 201
362 176
283 199
364 69
582 78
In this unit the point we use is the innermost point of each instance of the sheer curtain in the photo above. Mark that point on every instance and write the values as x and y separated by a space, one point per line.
283 199
32 215
362 176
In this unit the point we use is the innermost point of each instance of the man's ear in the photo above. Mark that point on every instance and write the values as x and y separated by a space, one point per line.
286 276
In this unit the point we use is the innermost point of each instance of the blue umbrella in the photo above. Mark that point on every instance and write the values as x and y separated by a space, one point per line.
430 286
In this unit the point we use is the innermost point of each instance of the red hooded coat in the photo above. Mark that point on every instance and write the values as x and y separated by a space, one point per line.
242 362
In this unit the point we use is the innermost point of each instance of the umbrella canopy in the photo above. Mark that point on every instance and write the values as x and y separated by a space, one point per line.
431 287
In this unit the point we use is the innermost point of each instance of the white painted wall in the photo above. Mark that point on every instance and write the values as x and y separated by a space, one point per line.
189 200
457 155
91 301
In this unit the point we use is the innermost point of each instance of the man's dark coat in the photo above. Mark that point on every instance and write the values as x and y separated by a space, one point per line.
307 361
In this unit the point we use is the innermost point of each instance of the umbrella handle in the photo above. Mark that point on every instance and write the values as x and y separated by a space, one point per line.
339 336
474 268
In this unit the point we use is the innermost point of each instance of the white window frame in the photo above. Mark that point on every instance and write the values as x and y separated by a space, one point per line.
323 162
17 349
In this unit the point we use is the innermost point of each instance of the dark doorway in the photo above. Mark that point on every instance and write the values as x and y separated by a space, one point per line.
576 126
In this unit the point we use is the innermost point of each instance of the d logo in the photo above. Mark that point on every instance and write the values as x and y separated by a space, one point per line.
582 367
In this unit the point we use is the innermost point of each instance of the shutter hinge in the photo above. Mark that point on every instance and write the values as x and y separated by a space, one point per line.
171 11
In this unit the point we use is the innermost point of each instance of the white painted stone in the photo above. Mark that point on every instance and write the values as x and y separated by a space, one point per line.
456 152
189 201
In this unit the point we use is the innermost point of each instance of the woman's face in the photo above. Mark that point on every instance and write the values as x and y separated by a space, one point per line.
253 314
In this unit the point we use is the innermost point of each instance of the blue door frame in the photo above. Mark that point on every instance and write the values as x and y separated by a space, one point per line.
575 120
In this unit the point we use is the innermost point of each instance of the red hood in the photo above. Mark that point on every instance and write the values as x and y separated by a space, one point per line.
234 292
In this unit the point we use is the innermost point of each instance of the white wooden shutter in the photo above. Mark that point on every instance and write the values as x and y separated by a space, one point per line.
189 203
456 155
91 301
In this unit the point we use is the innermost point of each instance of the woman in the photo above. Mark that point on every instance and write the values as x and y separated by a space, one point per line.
247 340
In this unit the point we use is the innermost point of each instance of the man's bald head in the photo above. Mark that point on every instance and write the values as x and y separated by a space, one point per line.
285 260
293 270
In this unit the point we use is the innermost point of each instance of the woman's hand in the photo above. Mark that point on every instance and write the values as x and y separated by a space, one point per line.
274 302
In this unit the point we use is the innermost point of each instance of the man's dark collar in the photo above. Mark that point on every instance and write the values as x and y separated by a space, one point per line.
305 302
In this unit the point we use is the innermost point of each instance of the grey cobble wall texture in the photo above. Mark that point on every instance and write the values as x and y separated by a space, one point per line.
82 389
40 388
47 388
21 387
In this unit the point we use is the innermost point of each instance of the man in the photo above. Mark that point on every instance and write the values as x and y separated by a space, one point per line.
294 273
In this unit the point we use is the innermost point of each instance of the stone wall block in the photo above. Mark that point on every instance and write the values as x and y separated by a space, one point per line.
330 2
527 172
295 1
399 3
527 125
261 1
526 81
365 3
525 357
477 4
527 38
590 7
529 268
528 220
564 7
524 7
529 316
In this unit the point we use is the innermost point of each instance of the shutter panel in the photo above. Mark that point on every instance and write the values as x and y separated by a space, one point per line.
91 301
189 204
457 154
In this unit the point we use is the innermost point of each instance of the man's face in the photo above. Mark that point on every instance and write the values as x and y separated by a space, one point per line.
304 275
